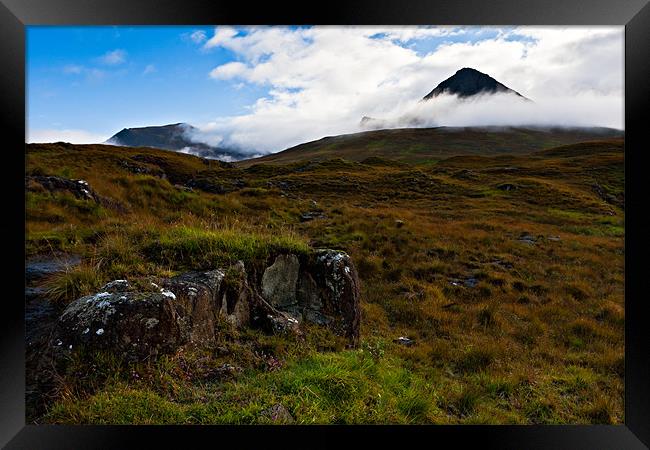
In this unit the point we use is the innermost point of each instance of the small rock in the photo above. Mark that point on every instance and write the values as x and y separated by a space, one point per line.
224 371
553 238
470 282
404 341
503 264
399 223
278 413
507 187
311 215
183 188
527 239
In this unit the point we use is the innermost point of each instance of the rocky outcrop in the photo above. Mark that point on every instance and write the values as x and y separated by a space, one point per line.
79 188
322 288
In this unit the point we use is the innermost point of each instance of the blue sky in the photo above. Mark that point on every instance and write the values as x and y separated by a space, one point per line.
163 79
265 88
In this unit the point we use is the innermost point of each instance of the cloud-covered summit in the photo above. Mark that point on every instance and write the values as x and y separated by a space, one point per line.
321 80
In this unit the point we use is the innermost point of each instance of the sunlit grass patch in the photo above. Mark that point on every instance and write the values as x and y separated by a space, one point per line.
184 246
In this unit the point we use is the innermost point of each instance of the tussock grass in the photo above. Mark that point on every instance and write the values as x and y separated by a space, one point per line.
73 283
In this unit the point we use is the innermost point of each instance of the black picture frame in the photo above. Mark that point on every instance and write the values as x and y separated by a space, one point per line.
15 15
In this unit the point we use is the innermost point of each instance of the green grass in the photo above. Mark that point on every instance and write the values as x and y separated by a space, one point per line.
323 388
193 247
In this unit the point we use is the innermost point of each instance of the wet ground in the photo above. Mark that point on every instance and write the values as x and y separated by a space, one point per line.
40 317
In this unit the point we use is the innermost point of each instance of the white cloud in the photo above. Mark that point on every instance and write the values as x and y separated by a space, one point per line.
149 69
322 80
113 57
228 71
65 135
198 36
222 36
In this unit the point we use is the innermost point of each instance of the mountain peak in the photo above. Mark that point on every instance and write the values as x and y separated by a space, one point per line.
467 82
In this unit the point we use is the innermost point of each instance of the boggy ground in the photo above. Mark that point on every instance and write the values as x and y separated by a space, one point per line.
506 271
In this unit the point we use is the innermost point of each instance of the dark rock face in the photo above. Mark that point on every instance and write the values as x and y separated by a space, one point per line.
187 309
468 82
79 188
329 293
135 324
322 289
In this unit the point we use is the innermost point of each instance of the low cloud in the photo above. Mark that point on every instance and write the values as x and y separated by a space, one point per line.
585 109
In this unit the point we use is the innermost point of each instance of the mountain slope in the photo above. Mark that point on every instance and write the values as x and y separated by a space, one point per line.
426 145
174 137
468 82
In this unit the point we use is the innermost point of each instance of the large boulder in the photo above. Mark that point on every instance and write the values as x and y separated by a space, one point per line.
329 293
140 323
322 288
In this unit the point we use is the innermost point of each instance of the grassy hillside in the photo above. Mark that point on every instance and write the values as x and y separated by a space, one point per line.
506 271
428 145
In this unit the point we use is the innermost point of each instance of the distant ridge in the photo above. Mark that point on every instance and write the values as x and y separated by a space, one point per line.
175 137
427 145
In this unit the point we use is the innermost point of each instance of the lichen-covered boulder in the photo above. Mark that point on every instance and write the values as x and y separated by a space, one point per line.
142 323
322 288
333 297
181 310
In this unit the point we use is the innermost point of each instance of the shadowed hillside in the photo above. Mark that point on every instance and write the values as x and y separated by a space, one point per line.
428 145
